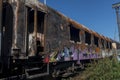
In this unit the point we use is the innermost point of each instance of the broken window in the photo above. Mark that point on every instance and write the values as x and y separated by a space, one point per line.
74 34
110 45
40 31
118 45
82 36
96 40
31 37
102 42
35 37
30 20
107 45
87 38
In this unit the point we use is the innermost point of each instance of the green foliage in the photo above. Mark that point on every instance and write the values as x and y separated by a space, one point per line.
104 69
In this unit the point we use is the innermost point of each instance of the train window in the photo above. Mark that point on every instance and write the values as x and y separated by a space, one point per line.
35 37
102 42
87 38
40 31
82 36
107 46
96 40
110 45
30 20
74 34
118 45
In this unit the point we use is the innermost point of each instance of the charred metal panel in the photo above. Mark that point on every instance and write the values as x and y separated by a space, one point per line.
19 28
35 29
57 31
26 30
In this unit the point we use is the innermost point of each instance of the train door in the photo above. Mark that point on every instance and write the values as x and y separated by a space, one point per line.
40 32
35 23
0 33
6 33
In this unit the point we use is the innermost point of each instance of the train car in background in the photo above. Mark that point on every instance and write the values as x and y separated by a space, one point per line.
36 40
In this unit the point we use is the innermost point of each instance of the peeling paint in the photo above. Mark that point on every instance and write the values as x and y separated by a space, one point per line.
16 23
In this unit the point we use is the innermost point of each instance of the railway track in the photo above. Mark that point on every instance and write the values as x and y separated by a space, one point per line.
60 75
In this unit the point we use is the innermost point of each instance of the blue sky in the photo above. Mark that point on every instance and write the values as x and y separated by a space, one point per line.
97 15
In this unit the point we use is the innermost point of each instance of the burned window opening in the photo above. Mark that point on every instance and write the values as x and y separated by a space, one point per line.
87 38
36 42
118 45
40 31
31 37
39 47
96 40
82 36
110 45
40 19
107 46
102 42
74 34
30 20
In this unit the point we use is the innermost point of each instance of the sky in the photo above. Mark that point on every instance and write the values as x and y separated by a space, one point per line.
97 15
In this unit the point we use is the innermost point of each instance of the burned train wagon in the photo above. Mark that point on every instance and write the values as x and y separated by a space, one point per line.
31 24
29 31
35 39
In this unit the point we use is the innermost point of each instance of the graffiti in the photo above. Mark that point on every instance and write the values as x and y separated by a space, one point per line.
74 52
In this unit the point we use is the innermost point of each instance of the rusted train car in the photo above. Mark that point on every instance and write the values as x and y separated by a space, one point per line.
38 40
